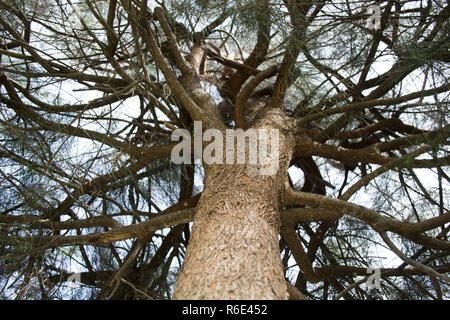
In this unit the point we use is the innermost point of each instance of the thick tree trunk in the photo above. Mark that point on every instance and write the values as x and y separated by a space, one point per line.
233 251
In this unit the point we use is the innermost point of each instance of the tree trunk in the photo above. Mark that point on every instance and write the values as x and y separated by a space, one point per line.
234 251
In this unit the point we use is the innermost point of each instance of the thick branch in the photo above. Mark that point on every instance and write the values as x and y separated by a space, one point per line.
411 231
245 93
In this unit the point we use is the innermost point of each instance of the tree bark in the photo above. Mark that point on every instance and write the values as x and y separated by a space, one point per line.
234 250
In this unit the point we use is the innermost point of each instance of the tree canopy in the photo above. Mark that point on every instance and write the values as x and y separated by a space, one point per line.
91 91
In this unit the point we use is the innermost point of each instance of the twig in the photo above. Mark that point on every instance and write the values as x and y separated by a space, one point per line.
392 164
136 289
412 262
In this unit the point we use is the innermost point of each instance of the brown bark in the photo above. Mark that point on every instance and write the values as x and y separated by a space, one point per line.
234 251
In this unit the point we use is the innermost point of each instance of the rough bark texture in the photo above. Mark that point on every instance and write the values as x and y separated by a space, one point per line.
233 252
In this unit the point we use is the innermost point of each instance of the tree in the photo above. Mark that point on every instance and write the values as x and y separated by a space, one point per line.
354 92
